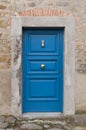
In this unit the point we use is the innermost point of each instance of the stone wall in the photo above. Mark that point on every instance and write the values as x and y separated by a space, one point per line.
60 123
9 8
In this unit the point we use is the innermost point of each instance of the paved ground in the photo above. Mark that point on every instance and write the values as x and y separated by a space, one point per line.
77 122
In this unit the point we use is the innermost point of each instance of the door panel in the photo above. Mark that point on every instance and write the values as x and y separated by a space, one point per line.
36 66
36 43
43 106
48 38
41 88
42 66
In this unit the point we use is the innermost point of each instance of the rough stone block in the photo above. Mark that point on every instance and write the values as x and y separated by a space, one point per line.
55 129
2 7
46 126
6 1
3 24
10 119
3 125
3 66
80 120
79 128
3 58
31 126
9 129
31 4
62 4
2 118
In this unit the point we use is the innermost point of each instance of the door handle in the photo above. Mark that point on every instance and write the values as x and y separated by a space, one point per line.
42 66
43 44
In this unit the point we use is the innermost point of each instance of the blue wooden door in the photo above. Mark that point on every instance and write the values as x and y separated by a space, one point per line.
42 65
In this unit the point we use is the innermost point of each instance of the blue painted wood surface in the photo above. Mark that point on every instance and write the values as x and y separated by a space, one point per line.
42 89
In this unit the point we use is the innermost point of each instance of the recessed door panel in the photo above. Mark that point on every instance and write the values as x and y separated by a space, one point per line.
43 66
42 43
47 88
43 106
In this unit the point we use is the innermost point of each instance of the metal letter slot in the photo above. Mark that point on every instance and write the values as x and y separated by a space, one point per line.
43 44
42 66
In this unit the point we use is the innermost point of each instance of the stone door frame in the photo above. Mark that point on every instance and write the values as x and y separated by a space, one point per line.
18 22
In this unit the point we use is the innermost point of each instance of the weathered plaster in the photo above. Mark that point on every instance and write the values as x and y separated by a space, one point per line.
69 58
5 94
81 92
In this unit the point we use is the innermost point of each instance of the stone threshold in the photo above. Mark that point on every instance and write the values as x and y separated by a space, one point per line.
43 115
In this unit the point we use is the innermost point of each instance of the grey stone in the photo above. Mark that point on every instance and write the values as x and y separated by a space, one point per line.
36 121
55 122
9 129
32 4
62 3
68 127
10 119
79 128
2 118
46 126
79 120
3 125
54 129
16 128
30 126
23 122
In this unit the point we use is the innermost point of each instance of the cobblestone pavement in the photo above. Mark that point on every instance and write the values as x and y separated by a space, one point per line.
77 122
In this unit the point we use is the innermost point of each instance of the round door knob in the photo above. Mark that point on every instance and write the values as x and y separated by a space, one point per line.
42 66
